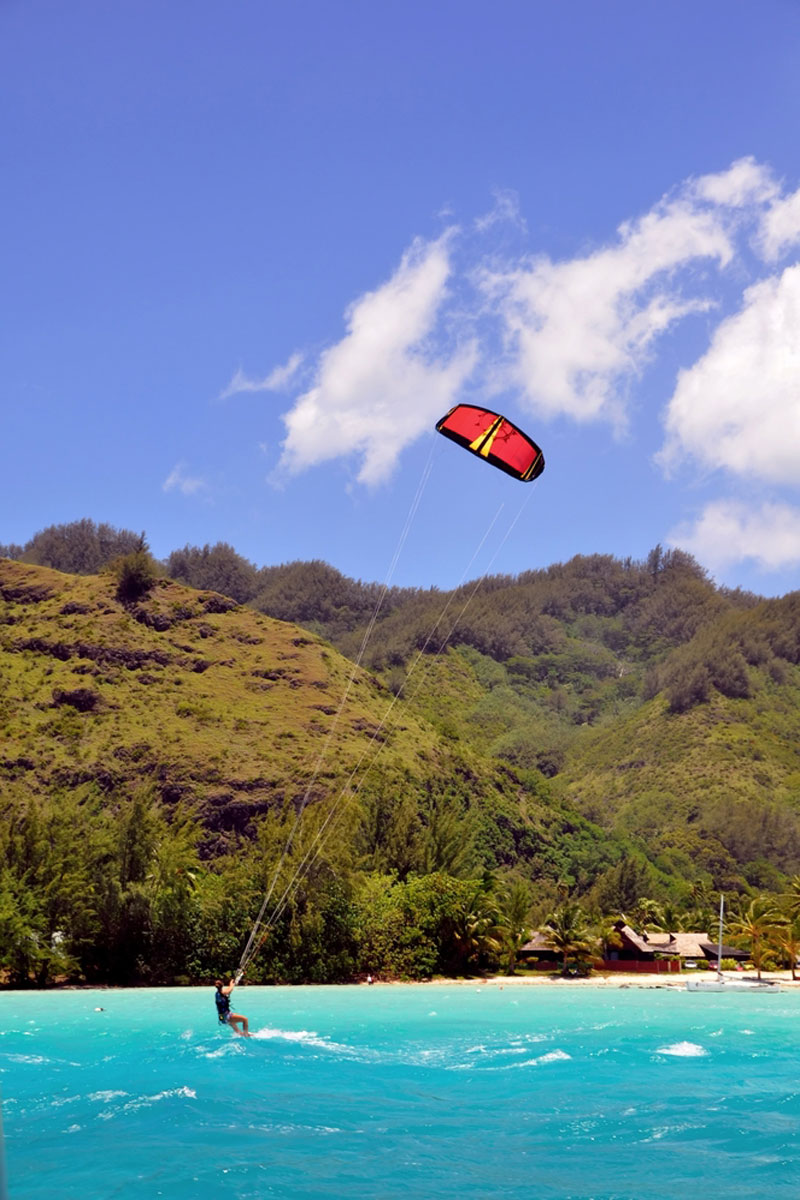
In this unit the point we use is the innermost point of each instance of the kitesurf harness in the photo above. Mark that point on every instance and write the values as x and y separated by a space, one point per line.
223 1004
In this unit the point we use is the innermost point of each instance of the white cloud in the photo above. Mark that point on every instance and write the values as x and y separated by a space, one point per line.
780 227
738 407
504 211
386 381
277 379
576 331
729 532
179 480
745 182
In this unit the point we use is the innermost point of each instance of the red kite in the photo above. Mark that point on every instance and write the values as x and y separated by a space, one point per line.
494 438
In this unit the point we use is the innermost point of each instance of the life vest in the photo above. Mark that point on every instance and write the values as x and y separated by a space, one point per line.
223 1004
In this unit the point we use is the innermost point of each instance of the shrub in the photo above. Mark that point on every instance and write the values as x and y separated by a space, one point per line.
136 576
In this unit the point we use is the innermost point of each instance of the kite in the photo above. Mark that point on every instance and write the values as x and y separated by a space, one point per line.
493 438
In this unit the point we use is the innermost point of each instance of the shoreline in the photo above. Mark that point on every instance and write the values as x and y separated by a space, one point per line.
610 980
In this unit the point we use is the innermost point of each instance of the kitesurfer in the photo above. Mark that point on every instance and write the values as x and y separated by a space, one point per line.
222 999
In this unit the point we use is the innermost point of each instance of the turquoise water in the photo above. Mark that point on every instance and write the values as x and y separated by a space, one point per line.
389 1092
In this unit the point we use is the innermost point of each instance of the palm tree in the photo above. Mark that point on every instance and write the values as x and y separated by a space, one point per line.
790 901
787 941
477 931
568 933
675 917
756 924
609 936
516 905
647 913
701 910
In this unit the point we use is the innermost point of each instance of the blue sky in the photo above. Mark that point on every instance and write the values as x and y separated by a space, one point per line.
251 252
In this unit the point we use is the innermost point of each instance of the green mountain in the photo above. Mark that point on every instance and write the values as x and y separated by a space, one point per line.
617 729
665 710
182 728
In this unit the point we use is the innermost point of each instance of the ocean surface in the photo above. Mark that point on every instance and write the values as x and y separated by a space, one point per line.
401 1092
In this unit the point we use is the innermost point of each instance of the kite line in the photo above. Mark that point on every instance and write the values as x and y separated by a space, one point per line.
350 789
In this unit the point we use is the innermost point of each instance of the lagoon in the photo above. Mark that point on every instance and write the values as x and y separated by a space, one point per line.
452 1090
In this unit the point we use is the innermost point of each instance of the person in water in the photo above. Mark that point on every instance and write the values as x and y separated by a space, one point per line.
222 999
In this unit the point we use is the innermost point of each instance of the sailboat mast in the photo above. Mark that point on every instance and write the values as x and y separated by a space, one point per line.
719 943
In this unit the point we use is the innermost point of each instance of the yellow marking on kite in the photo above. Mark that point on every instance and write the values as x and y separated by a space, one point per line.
483 444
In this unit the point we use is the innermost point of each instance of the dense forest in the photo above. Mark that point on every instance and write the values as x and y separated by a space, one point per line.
595 738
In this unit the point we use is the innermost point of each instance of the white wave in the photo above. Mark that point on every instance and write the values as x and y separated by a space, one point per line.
35 1059
658 1133
105 1097
551 1057
555 1056
146 1101
138 1102
662 1131
62 1100
541 1060
305 1037
306 1130
683 1050
222 1051
495 1051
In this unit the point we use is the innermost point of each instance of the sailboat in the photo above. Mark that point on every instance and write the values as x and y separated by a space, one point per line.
724 984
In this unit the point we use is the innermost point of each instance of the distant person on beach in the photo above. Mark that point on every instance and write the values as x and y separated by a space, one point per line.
222 999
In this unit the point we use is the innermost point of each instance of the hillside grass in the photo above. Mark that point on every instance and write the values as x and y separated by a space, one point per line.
237 718
215 701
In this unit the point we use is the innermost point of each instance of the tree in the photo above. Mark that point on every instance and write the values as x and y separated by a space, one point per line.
687 684
80 547
790 900
756 924
218 568
172 879
619 888
568 933
477 930
135 574
647 913
609 936
515 904
447 840
787 941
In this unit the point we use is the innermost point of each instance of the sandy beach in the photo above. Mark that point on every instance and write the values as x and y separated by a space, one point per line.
616 979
